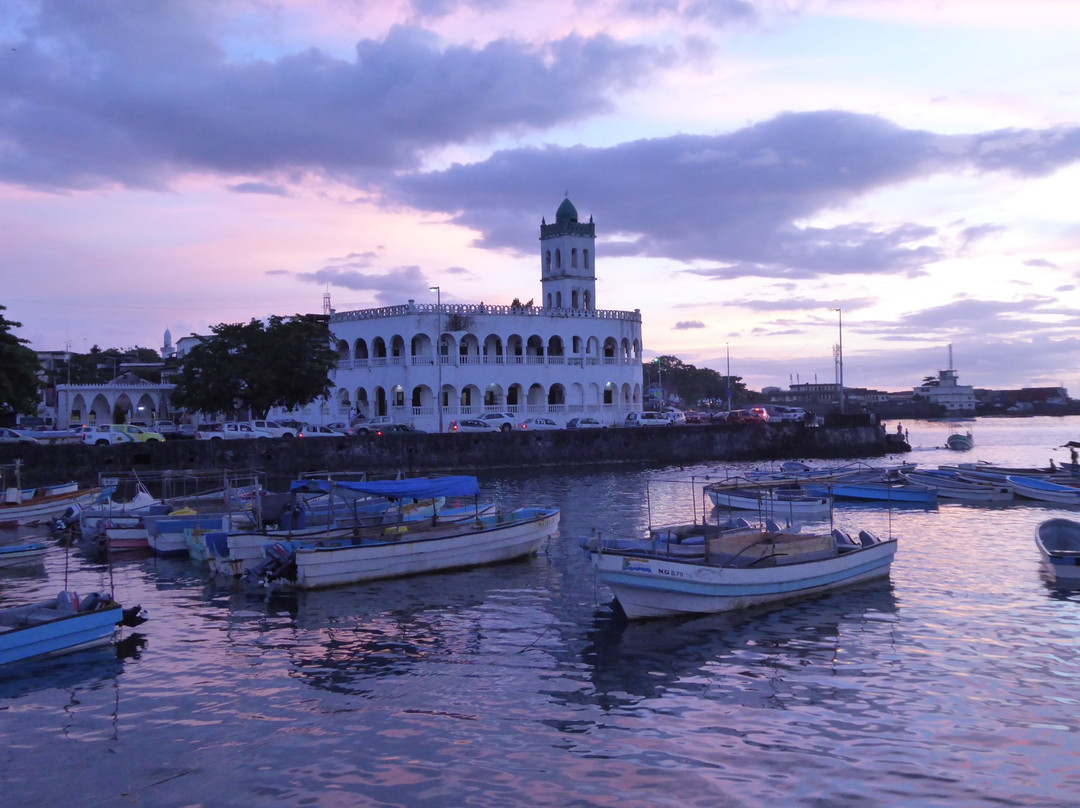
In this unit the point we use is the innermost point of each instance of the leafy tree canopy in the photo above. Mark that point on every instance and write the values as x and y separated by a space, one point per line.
98 366
281 363
697 386
19 367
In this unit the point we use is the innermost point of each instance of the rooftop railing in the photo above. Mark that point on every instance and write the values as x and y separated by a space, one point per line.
474 309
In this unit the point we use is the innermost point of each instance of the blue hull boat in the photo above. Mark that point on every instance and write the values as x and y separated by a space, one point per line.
31 552
885 492
61 625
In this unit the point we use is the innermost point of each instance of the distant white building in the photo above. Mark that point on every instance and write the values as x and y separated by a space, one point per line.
137 398
946 390
430 363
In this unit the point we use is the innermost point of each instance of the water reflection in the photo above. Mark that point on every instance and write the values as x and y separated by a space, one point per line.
341 640
633 662
89 669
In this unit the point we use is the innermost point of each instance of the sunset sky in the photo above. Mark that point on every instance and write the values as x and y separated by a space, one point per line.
751 167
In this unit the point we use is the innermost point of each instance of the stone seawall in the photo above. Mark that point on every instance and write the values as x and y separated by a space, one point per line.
418 454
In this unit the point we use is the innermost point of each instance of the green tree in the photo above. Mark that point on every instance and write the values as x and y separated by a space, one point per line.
282 363
696 386
19 367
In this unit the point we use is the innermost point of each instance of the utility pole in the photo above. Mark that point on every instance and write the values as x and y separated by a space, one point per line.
840 356
727 348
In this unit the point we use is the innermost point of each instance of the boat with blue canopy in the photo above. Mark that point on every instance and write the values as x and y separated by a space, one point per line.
371 552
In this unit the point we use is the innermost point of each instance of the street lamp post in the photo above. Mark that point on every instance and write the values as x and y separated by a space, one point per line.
438 352
840 356
111 359
727 348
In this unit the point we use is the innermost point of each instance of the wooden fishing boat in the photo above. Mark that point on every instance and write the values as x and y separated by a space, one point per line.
16 511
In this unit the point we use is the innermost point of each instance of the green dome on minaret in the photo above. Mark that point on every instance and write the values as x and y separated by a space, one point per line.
566 212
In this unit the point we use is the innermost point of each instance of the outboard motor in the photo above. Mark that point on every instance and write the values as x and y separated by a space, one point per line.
280 562
68 519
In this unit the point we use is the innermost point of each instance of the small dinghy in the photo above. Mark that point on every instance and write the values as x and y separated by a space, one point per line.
1058 541
61 625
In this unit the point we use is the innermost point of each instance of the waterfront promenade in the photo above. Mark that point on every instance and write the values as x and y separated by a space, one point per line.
442 453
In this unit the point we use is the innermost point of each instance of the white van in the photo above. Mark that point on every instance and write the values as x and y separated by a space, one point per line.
645 418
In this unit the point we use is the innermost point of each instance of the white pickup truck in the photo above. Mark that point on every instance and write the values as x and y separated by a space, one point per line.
371 424
274 428
230 431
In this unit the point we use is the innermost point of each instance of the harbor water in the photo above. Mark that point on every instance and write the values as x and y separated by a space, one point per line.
954 683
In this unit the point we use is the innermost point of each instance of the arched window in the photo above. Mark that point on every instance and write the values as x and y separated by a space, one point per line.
549 300
547 260
585 256
573 258
558 300
586 301
558 259
573 299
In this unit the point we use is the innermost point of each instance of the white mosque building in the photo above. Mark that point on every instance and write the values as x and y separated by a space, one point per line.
563 358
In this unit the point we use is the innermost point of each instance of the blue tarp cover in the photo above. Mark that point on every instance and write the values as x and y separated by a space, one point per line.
412 488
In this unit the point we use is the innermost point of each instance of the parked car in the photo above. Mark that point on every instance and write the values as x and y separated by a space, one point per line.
646 418
11 436
538 425
676 416
166 428
693 417
275 428
585 422
755 415
398 429
500 420
342 427
785 413
472 425
368 425
107 434
317 431
230 431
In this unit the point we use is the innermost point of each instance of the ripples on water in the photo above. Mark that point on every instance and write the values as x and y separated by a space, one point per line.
953 684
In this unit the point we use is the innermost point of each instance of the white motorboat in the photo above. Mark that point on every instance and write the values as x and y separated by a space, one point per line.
1058 541
960 442
735 569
